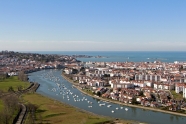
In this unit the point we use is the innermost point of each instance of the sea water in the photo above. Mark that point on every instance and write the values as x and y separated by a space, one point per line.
123 56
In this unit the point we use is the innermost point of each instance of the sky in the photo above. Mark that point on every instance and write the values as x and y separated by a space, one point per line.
93 25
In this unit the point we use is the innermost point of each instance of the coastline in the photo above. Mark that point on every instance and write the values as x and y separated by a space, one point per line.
120 103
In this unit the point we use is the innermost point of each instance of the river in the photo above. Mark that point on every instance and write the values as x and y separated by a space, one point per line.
53 85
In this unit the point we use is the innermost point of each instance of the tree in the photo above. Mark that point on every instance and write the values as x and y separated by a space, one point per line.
141 93
40 118
106 75
181 92
74 71
82 69
153 98
22 76
32 109
11 102
1 92
99 93
5 116
181 68
4 76
134 100
10 89
19 87
11 105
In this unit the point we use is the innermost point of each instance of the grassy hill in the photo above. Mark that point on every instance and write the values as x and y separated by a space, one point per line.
14 82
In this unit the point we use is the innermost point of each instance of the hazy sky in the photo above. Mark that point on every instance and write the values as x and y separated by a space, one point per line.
93 25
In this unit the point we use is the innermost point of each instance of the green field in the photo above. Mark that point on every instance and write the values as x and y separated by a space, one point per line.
54 112
14 82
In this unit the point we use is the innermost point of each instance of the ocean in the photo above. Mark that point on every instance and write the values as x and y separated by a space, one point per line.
123 56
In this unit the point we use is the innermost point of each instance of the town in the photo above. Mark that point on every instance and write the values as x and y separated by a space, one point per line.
150 84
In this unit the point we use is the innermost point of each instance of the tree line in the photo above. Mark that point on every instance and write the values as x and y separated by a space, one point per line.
10 107
22 76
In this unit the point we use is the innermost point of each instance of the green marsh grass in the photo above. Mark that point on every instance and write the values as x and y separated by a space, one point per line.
14 82
55 112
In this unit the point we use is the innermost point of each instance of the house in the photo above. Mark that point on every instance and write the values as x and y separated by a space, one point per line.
139 83
179 87
122 85
174 107
100 89
148 83
114 96
145 102
96 83
147 95
164 86
68 71
12 73
138 99
92 83
154 104
184 91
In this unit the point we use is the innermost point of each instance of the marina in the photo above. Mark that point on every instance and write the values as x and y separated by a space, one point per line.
53 85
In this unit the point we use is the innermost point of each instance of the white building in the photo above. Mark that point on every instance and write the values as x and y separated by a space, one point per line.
179 87
184 92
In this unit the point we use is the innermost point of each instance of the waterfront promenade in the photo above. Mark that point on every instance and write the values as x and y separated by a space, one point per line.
120 103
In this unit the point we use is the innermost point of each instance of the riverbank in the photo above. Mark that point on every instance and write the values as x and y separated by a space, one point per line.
117 102
47 110
56 112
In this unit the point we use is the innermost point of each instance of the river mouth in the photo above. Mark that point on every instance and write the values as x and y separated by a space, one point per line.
56 87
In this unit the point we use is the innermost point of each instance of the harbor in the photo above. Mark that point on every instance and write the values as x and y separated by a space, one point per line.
53 85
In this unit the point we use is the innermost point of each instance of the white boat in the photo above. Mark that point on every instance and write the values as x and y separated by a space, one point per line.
108 105
106 101
102 104
112 111
126 109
